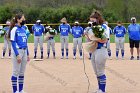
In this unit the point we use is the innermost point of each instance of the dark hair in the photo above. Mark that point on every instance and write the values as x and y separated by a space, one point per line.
119 22
98 16
13 22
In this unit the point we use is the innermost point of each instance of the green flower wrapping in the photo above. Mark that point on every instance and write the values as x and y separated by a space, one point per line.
2 32
52 32
98 31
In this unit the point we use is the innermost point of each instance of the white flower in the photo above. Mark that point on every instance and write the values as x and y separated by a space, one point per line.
94 26
51 30
99 26
100 29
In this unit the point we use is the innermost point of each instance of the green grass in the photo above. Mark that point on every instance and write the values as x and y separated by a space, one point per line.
57 39
112 38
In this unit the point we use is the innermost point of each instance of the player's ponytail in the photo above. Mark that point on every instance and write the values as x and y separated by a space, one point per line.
13 23
11 27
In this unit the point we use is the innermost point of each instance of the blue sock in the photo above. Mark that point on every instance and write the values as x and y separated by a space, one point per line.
98 82
102 82
3 53
109 53
62 52
41 53
90 55
54 54
67 52
80 52
74 52
35 53
122 51
10 53
20 82
48 53
117 53
14 83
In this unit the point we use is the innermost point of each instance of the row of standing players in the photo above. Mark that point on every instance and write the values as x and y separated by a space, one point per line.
77 32
20 54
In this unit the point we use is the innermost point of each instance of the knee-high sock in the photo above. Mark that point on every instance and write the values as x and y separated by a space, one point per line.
62 50
3 53
80 52
109 52
14 83
67 52
122 51
35 52
90 55
54 53
9 52
48 53
74 52
42 52
102 82
20 82
117 53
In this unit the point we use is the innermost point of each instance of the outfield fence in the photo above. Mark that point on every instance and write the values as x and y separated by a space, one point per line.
57 38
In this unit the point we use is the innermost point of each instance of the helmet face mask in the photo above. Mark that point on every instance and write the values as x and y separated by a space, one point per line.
133 20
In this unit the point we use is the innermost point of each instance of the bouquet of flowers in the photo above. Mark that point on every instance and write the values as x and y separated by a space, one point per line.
98 32
50 33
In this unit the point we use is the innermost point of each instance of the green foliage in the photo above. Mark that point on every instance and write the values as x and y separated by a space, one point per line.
52 11
110 16
5 14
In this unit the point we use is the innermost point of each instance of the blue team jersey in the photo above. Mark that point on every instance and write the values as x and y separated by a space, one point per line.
38 29
77 31
18 35
6 29
134 31
64 29
119 31
27 30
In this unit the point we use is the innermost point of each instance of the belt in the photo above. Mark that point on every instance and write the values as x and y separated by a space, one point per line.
38 35
76 37
23 48
51 38
101 47
119 36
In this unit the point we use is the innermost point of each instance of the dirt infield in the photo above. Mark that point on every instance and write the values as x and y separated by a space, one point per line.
67 75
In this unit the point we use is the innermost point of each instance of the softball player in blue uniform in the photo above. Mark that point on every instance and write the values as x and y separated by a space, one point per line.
64 30
100 55
77 32
86 30
20 54
6 41
134 37
119 32
38 30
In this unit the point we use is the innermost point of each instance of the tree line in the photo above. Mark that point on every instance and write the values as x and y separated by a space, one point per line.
51 11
